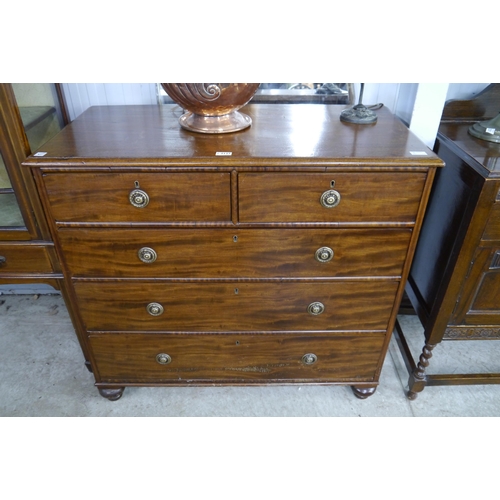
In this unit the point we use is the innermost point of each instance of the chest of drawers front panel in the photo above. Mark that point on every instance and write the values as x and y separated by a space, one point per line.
279 264
231 289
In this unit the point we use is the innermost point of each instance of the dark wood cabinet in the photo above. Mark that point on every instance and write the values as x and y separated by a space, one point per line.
454 282
280 261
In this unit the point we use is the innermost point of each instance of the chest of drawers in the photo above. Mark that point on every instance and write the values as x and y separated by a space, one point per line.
274 255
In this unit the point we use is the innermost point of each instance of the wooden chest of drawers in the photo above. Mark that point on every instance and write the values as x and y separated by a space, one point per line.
274 255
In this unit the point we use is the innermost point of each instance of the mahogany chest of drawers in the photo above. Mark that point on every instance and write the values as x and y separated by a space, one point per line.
277 254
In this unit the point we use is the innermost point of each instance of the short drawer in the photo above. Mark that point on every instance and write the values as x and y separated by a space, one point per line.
259 253
106 197
236 306
187 358
362 197
22 258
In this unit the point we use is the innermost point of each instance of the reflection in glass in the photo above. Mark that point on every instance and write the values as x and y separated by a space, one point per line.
10 215
4 176
40 111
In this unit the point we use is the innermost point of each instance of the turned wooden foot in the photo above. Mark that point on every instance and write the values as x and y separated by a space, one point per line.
111 394
363 392
417 380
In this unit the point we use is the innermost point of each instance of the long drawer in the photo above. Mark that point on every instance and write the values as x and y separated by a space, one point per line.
186 358
105 197
257 253
24 258
361 197
236 306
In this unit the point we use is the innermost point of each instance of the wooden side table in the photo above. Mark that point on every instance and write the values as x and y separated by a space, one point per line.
454 282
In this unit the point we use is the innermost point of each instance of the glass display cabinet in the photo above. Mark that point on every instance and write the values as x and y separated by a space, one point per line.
30 114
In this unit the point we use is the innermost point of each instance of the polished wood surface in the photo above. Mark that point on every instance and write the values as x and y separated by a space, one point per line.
235 237
236 306
294 198
301 136
454 280
246 253
21 258
240 358
104 197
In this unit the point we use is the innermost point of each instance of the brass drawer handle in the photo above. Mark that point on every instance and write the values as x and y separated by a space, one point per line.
155 309
324 254
330 198
315 308
147 255
163 359
309 358
138 198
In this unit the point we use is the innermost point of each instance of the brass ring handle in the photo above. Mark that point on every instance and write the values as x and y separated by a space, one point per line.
309 358
163 359
3 260
330 198
315 308
138 198
147 255
155 309
324 254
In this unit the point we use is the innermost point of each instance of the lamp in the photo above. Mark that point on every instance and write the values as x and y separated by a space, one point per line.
359 113
488 130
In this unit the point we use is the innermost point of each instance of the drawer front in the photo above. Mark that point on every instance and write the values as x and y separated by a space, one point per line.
237 357
243 306
24 258
492 230
173 197
364 197
258 253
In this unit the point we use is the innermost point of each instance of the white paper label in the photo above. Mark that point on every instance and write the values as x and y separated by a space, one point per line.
490 131
223 153
40 153
418 153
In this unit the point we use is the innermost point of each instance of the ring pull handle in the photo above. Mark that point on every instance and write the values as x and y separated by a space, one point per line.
330 198
309 358
138 198
155 309
163 359
324 254
315 308
147 255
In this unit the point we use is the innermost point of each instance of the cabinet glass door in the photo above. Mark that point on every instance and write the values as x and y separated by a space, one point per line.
41 111
10 214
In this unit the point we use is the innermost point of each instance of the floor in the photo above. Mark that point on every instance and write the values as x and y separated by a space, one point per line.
42 375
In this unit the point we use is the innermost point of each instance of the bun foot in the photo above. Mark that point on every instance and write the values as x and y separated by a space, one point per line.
111 394
363 392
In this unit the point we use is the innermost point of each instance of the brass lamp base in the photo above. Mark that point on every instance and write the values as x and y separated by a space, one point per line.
358 114
488 130
223 124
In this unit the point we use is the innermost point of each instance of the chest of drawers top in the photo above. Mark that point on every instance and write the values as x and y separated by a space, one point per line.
308 136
